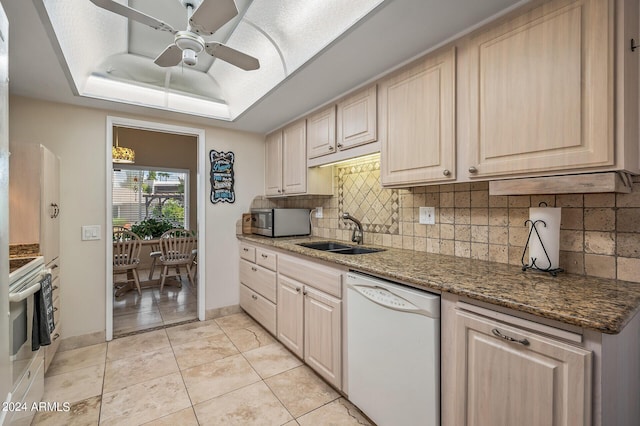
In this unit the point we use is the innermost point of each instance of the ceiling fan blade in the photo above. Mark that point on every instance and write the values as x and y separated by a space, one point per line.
134 14
211 15
233 56
170 57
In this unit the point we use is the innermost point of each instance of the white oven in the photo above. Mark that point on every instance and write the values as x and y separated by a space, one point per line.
27 366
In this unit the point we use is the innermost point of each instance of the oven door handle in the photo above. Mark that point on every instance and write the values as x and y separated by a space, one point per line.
21 295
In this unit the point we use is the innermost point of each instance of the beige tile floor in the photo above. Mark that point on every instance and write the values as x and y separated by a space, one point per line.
133 312
227 371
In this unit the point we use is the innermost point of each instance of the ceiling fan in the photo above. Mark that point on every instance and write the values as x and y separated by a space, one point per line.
204 17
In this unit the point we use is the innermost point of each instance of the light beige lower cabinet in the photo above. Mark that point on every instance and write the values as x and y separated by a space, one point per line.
310 314
258 285
503 368
300 302
291 314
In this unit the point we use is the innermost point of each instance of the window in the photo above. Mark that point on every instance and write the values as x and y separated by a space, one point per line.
143 193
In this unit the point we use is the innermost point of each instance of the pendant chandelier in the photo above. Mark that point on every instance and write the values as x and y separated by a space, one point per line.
121 154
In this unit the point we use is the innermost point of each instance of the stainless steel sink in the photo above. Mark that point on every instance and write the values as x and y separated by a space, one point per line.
338 248
325 246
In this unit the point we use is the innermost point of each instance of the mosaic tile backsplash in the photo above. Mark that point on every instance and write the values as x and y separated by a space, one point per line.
599 233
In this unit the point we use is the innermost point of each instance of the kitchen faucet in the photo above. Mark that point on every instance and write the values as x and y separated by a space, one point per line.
357 235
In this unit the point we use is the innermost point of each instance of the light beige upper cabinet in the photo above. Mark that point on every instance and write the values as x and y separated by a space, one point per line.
417 122
357 119
34 191
294 158
321 132
286 171
505 375
540 92
273 164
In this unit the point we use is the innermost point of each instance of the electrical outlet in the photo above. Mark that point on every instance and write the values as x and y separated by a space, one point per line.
319 214
428 215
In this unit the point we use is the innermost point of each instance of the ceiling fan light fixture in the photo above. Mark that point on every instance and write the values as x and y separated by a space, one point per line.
189 57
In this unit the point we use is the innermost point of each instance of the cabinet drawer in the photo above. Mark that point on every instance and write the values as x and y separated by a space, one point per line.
56 311
55 288
248 252
259 308
50 351
321 277
266 258
258 279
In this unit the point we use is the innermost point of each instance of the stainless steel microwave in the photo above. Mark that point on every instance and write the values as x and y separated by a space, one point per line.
280 222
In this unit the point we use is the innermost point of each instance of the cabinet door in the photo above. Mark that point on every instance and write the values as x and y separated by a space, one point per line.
49 205
356 119
273 164
417 122
290 306
541 90
321 132
323 335
294 156
537 381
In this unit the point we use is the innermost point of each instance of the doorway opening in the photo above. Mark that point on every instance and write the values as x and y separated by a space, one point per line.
157 193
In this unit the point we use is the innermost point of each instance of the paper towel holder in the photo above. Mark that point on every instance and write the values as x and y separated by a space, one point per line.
525 266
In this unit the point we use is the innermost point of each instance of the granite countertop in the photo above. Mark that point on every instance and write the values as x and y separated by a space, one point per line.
599 304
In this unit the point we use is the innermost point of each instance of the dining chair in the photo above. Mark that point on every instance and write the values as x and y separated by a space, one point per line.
126 255
177 249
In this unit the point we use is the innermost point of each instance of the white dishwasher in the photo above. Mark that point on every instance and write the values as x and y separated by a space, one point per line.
393 351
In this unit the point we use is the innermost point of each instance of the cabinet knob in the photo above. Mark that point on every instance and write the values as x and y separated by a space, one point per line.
304 292
245 249
331 148
446 172
339 145
297 289
279 191
472 169
253 268
254 297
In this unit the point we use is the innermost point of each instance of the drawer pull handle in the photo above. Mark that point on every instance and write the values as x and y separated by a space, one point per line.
264 256
55 336
254 297
253 268
297 289
55 266
55 309
497 333
55 287
245 249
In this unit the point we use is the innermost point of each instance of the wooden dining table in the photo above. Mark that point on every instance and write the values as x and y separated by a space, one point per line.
154 246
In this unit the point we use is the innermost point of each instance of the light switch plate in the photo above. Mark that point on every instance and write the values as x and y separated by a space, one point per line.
319 214
428 215
91 232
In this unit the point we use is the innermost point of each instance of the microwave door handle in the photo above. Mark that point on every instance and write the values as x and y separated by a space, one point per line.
20 296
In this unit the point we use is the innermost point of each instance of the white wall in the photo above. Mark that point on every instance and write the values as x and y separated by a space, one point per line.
77 136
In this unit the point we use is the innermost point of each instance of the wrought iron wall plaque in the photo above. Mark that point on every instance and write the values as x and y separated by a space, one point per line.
222 177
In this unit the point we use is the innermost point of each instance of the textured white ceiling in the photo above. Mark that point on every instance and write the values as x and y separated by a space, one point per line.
394 33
